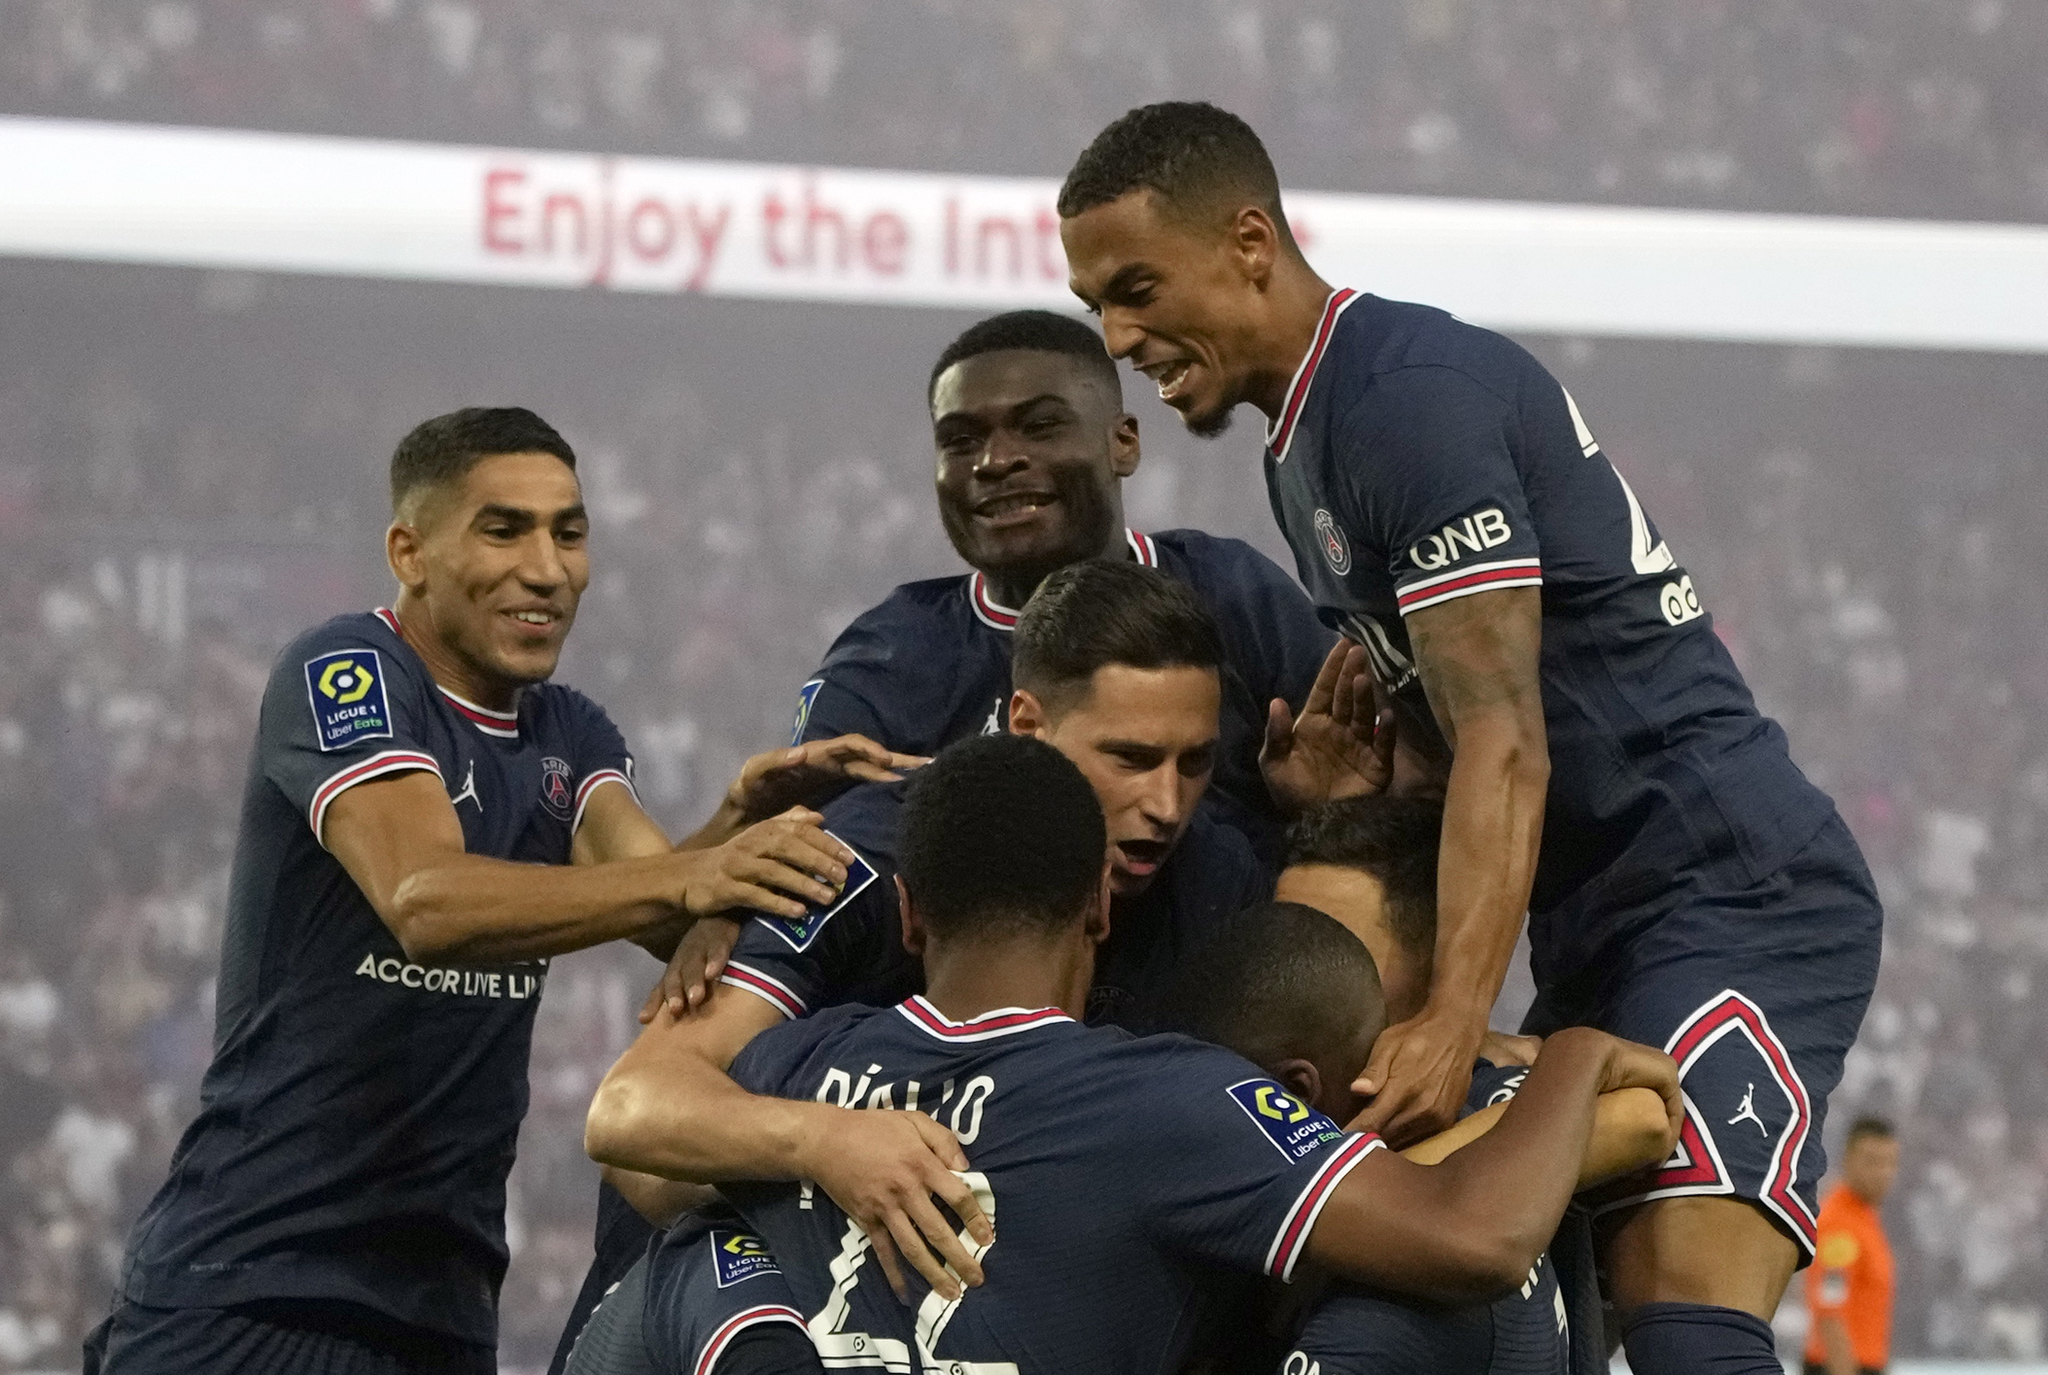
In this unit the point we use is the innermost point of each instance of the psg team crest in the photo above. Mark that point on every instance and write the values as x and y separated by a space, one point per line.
555 793
1335 548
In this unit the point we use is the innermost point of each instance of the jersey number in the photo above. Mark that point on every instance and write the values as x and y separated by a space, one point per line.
1647 554
839 1347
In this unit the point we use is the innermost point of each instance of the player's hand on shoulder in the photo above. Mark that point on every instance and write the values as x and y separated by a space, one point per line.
778 866
884 1170
698 960
807 775
1417 1078
1342 743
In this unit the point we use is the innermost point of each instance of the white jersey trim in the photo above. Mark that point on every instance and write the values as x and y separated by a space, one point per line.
766 987
1292 1239
591 784
362 771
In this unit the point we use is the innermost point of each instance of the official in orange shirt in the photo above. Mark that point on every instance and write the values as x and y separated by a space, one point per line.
1849 1288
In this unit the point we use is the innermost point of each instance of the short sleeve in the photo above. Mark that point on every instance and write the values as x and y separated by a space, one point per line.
847 950
1239 1168
1432 472
601 754
338 712
710 1280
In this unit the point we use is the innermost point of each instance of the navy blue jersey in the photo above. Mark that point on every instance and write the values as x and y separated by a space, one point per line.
931 664
1420 459
1356 1331
358 1119
708 1280
853 951
1113 1168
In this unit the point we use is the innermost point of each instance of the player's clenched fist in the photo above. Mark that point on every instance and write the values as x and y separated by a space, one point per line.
1633 1066
776 866
884 1169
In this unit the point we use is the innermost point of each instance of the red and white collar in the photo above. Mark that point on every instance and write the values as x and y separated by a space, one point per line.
503 724
993 613
1004 1021
1280 433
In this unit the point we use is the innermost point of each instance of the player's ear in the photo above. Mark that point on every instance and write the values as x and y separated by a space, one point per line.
405 551
913 924
1027 715
1098 916
1123 445
1256 243
1300 1078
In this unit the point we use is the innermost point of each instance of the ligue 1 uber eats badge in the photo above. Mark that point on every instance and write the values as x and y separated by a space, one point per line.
346 689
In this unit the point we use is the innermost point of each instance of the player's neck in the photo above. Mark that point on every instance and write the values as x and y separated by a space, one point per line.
1297 297
1013 587
964 979
447 668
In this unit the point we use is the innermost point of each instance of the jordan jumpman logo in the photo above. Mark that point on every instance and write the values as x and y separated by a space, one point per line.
469 789
1748 1111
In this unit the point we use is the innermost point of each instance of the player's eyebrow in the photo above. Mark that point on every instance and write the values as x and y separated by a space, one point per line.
567 513
510 515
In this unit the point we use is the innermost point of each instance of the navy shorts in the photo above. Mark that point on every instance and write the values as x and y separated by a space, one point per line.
1757 989
281 1337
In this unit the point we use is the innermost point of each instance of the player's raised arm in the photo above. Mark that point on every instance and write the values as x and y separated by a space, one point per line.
1477 658
1473 1225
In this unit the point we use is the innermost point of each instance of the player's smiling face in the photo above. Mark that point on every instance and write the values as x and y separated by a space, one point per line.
1180 301
498 563
1146 739
1031 446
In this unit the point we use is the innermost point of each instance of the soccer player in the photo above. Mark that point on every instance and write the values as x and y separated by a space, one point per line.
1289 988
1033 445
1849 1288
1448 508
1112 1167
427 820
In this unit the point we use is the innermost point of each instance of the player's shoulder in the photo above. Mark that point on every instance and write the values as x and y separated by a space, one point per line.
910 611
1392 351
569 709
365 630
775 1060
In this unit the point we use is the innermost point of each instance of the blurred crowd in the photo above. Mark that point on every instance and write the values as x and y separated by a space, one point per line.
1902 107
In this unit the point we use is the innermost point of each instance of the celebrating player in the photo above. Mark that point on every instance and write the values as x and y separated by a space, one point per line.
1033 445
1111 1167
1450 510
426 821
1290 989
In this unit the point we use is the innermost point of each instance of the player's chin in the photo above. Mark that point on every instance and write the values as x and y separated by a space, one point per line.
1207 420
530 662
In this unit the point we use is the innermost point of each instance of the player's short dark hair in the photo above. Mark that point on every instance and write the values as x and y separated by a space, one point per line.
441 450
1283 981
1878 1127
1001 834
1040 331
1089 615
1201 162
1395 839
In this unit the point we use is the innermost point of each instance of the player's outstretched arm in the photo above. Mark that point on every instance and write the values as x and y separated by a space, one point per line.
805 775
401 842
669 1108
1477 657
1630 1131
1471 1227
